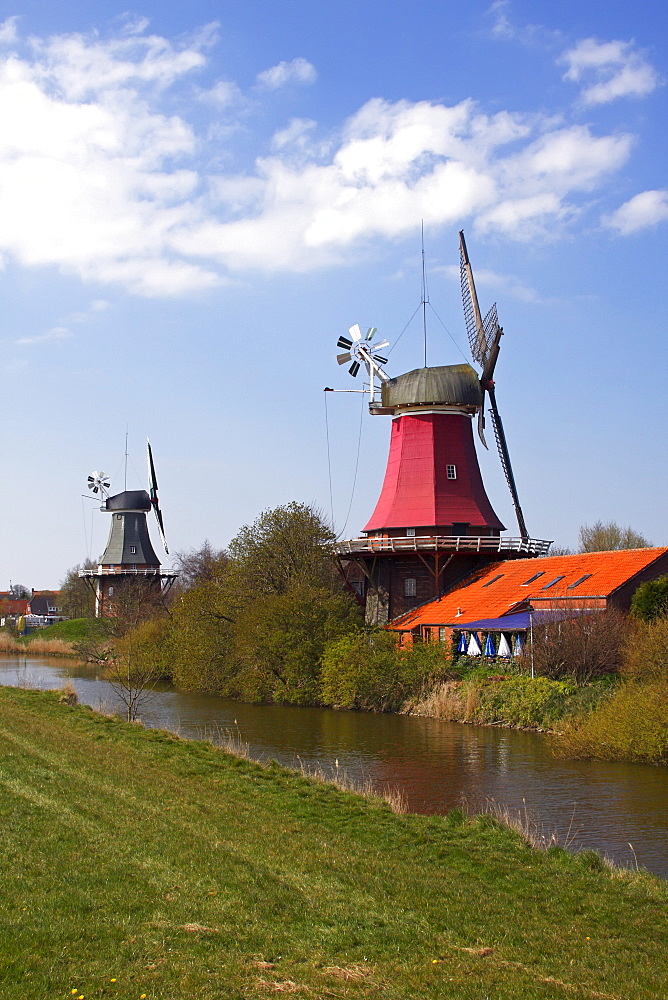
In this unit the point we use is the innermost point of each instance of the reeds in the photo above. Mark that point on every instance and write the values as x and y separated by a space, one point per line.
48 647
444 701
38 647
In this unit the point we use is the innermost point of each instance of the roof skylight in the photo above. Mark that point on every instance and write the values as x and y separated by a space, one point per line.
552 582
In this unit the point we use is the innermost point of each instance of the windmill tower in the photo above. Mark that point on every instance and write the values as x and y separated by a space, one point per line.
433 522
129 556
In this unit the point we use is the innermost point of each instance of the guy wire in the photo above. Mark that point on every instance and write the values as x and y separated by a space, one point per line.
357 462
329 466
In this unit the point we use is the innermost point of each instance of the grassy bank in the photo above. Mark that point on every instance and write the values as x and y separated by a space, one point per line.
137 864
512 700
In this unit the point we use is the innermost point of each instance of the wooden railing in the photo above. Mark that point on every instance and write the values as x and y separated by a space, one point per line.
443 543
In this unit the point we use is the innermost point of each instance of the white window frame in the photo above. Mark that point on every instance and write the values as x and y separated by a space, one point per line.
451 471
410 532
410 587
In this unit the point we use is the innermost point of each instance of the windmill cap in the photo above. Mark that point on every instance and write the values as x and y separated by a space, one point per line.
456 385
129 500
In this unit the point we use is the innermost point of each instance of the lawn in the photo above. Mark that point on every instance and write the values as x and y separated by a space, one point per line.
136 864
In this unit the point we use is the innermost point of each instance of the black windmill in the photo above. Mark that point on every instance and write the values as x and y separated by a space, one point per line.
129 554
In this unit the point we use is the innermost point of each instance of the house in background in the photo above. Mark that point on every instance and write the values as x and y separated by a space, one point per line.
503 597
38 610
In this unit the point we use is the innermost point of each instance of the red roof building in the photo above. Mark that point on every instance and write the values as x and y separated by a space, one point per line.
587 580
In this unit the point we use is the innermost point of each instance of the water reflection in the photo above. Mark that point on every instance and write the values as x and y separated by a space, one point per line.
606 806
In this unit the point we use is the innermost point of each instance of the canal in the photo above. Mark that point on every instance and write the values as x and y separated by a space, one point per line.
620 810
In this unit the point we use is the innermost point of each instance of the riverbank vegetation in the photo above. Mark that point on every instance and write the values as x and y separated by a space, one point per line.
632 724
135 863
269 620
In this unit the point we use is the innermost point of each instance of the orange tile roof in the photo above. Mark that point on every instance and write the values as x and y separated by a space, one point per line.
481 595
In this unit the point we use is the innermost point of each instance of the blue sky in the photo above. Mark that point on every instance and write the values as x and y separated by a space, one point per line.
197 200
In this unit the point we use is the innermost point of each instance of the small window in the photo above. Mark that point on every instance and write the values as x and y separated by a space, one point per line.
493 580
441 634
577 583
452 471
552 582
410 532
532 578
133 549
111 592
410 587
119 517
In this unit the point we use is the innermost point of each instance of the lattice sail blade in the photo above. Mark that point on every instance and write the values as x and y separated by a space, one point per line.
354 368
371 333
480 339
355 332
344 342
344 358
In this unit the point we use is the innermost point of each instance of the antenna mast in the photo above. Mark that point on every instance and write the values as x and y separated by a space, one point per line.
125 476
425 298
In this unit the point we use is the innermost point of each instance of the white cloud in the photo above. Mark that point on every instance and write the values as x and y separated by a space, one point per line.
501 24
615 69
295 134
55 335
297 71
646 209
8 31
96 179
224 94
487 279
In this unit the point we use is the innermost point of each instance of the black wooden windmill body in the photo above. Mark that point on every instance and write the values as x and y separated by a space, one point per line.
129 555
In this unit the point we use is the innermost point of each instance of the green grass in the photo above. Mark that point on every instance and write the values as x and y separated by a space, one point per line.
180 871
71 630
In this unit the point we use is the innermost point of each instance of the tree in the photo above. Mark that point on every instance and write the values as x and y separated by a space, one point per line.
600 537
136 665
650 600
279 640
19 591
76 599
257 629
582 647
202 565
288 546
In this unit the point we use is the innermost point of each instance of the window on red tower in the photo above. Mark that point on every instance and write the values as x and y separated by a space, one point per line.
452 471
410 587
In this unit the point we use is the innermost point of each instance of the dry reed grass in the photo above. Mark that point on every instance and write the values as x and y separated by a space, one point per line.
445 701
49 647
40 647
68 696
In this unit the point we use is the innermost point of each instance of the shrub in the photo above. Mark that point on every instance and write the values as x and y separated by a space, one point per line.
369 671
650 600
645 651
631 725
581 648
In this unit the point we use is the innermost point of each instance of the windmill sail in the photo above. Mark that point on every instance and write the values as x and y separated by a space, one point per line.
504 455
481 333
153 493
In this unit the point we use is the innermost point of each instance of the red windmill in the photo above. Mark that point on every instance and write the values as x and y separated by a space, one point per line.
433 522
